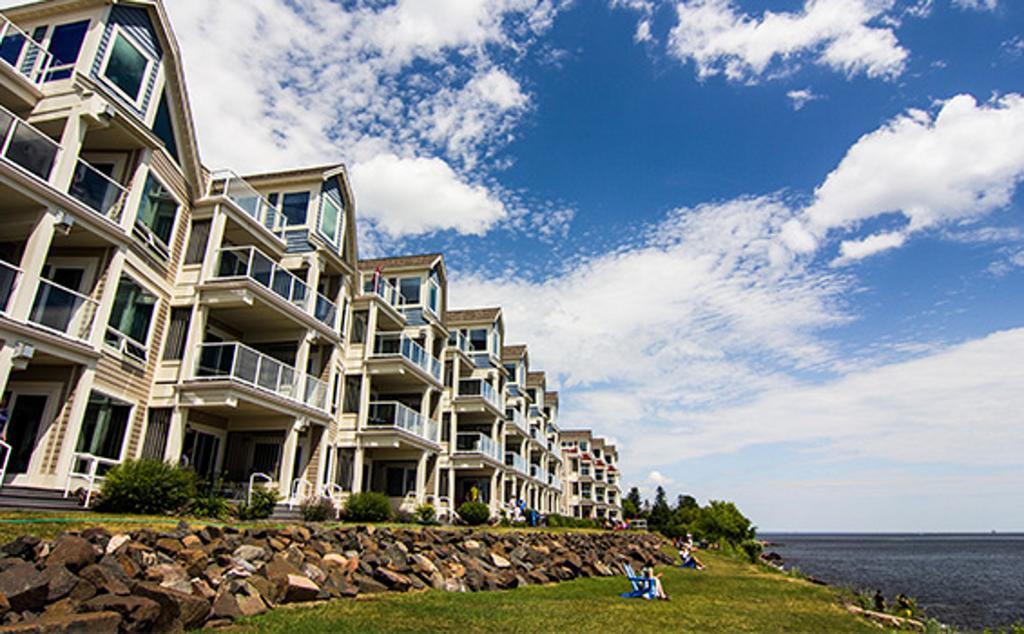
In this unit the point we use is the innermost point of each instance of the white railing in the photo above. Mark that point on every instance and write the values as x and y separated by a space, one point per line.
27 147
395 414
476 442
458 340
517 462
26 56
482 388
252 484
63 310
337 495
232 186
300 490
125 344
90 473
397 344
97 191
377 285
238 362
251 263
7 449
514 416
9 276
442 506
555 482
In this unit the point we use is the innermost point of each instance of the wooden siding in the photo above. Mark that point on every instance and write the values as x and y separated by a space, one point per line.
135 22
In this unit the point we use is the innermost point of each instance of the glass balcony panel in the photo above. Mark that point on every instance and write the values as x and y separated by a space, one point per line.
9 275
63 310
96 190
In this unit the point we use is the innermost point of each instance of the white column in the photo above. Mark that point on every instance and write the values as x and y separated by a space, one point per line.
357 470
71 145
6 364
213 243
176 435
37 249
83 387
194 339
106 298
421 477
291 441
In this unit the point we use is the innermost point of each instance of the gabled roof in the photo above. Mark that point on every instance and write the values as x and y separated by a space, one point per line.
536 378
402 261
473 315
513 352
551 397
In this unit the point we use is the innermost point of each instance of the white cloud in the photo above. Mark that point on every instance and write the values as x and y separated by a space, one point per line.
952 167
977 5
800 98
421 195
658 479
959 406
643 31
844 35
850 250
317 81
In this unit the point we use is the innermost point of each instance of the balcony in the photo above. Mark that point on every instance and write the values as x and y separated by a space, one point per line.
476 442
535 472
63 311
554 482
32 152
514 416
28 60
515 461
249 264
377 285
239 363
245 198
399 345
459 341
470 388
395 415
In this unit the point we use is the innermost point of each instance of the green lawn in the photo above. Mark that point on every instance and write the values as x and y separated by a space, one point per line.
729 596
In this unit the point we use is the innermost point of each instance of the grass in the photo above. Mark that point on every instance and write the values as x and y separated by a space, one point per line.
730 596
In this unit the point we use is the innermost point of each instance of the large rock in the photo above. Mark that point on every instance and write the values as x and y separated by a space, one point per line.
72 551
176 607
236 600
94 623
139 613
106 579
299 588
25 587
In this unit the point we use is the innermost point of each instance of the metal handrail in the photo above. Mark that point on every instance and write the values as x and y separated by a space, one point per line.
252 484
90 475
411 350
485 391
403 417
105 201
293 491
377 285
7 458
478 443
249 201
25 153
80 315
42 61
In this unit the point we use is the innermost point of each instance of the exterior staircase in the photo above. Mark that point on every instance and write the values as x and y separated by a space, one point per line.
284 514
29 498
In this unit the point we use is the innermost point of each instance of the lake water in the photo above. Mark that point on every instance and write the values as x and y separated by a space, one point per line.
971 581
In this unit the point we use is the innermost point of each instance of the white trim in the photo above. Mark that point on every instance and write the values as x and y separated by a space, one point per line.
149 327
150 62
177 214
51 390
103 391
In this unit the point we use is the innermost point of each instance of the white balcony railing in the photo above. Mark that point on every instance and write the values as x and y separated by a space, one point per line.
458 340
396 344
85 466
514 416
27 57
97 191
63 310
395 414
238 362
9 276
476 442
482 388
554 481
517 462
245 197
377 285
26 147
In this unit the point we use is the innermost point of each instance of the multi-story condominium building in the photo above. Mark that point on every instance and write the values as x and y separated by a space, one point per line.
152 308
592 476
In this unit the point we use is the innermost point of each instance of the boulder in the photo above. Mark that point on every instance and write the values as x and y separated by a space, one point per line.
116 542
106 579
139 614
72 551
175 606
25 587
93 623
393 580
500 561
299 588
238 599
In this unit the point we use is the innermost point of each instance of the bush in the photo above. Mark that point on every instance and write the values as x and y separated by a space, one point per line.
368 507
474 513
425 514
752 549
405 517
554 520
210 503
147 487
317 509
262 506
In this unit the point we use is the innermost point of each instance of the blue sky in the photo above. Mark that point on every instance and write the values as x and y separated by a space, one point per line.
774 249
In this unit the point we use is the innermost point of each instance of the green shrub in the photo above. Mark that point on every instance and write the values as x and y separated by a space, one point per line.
752 549
147 487
425 514
317 509
261 507
474 513
211 504
368 507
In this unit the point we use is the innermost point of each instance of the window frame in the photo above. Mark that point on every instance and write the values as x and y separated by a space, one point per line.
162 249
69 67
340 229
127 426
121 348
108 53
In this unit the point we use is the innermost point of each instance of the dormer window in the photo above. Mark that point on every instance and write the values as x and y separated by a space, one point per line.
331 220
511 369
294 207
126 67
409 289
478 339
65 45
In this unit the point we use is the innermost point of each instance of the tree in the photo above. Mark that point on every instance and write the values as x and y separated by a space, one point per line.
661 514
684 515
722 520
686 502
632 504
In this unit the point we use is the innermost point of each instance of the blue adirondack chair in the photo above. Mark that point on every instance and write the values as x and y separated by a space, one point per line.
643 587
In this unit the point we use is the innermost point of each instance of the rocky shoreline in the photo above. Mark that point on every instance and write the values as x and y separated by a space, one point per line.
149 581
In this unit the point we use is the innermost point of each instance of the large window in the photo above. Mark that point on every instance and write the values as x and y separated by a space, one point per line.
126 67
511 369
130 318
157 213
164 128
65 44
104 427
294 207
478 339
331 220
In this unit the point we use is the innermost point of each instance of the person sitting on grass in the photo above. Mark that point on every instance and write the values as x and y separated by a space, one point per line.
659 591
689 559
